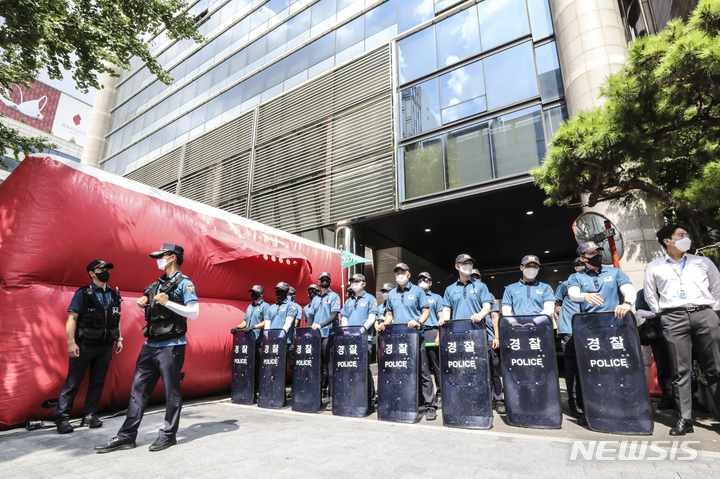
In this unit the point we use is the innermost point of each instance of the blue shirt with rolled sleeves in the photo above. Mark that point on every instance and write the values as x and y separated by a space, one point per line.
488 319
103 295
254 315
435 301
322 306
527 298
277 313
358 309
406 304
607 282
567 310
183 293
466 299
306 312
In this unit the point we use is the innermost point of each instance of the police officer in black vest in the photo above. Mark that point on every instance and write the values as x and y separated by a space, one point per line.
93 327
167 304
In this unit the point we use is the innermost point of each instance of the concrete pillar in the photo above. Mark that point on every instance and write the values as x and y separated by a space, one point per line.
100 120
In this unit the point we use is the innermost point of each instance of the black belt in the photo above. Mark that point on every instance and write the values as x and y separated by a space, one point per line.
427 328
689 308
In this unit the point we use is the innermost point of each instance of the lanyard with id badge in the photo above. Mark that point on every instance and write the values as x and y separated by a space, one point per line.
682 294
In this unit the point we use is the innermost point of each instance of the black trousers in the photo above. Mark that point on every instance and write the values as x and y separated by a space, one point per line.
684 331
258 362
572 378
433 357
152 364
495 374
98 359
660 354
327 350
427 395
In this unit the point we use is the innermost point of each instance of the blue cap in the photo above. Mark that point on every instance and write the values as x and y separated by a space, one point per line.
357 277
314 286
425 274
530 258
476 271
292 291
257 289
587 247
282 285
387 287
324 274
401 266
168 248
464 257
577 262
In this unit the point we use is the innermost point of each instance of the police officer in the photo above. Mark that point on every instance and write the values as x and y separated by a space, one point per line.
313 290
407 304
382 307
435 302
528 296
324 311
567 308
361 310
476 274
469 298
283 314
93 327
253 320
167 304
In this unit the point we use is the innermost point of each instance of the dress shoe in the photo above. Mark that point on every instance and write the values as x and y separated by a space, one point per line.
91 421
162 443
500 407
581 420
64 426
115 444
575 411
682 427
431 415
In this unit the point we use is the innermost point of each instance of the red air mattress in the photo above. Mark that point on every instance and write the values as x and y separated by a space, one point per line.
56 216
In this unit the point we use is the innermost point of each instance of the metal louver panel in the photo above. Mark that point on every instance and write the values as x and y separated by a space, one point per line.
223 142
222 185
160 172
171 188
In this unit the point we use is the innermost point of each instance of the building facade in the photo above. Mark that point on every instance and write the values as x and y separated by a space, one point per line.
406 128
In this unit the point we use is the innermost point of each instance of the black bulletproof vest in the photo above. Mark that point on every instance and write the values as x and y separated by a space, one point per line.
163 324
96 325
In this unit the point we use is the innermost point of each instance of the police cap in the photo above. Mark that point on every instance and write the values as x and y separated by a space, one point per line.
587 247
461 258
387 287
402 266
357 277
257 289
98 263
425 274
324 274
530 259
283 286
168 248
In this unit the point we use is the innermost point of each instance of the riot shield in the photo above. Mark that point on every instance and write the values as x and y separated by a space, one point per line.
529 370
467 400
350 381
271 393
242 388
307 375
612 375
398 374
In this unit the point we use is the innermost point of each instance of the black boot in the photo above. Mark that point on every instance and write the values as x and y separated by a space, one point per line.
682 427
64 426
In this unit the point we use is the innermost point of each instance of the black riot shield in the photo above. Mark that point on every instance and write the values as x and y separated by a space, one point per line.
398 374
307 375
271 392
612 375
467 400
242 388
529 370
350 381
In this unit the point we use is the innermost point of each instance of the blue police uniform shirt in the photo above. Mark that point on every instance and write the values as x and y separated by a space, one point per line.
104 296
466 299
256 313
567 310
607 282
406 304
278 313
527 298
306 312
435 301
488 319
322 306
640 302
185 294
358 309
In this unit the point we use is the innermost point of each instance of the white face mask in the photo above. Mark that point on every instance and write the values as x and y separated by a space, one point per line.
424 285
401 279
530 273
356 287
162 262
466 269
385 295
683 244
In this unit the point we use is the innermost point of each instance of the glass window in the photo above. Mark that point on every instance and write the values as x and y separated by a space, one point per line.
277 37
161 110
193 62
169 132
423 167
465 109
322 48
207 53
413 13
183 125
380 17
223 41
417 54
237 62
467 153
274 74
458 37
549 74
350 33
277 6
297 62
256 50
252 87
203 83
219 73
343 4
322 10
420 108
540 18
156 140
462 92
553 118
240 30
502 21
510 76
214 107
174 102
444 4
259 17
518 141
299 24
198 116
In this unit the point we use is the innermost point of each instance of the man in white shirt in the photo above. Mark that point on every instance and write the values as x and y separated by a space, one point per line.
684 290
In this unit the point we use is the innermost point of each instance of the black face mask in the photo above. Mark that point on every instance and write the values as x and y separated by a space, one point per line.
595 261
255 296
281 295
325 284
312 294
103 277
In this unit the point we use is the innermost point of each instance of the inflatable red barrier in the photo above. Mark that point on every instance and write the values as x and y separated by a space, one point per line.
57 216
